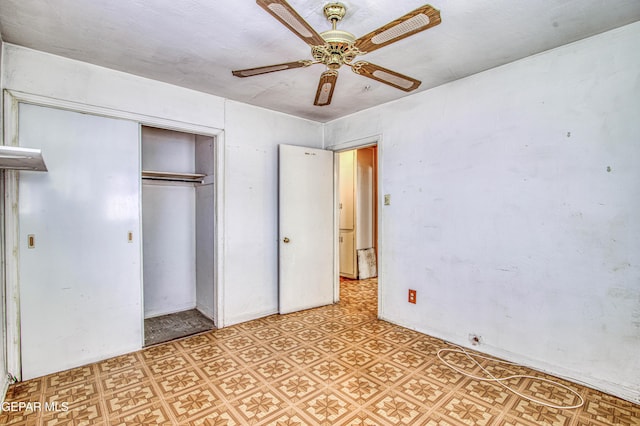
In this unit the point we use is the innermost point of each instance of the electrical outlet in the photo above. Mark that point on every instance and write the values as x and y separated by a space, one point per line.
475 340
412 296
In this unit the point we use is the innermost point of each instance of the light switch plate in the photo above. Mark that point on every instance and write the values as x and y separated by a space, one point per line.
387 199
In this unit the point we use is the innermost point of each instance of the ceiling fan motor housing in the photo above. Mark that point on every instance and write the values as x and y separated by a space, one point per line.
339 49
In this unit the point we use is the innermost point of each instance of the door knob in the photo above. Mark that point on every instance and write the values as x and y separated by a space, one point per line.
285 240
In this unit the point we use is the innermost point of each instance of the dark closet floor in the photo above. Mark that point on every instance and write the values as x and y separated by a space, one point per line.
174 326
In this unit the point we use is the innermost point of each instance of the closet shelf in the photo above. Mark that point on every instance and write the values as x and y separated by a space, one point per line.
173 177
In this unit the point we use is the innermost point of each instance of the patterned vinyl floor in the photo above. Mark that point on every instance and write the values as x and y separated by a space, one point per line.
336 365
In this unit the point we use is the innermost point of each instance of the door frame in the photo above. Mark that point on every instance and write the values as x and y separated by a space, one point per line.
11 100
375 140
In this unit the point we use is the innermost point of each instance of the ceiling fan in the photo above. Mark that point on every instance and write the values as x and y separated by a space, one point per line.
335 48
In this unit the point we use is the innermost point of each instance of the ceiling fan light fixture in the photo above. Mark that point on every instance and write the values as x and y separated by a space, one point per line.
335 61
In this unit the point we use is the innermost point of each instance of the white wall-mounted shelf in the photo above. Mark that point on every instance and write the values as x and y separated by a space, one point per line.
18 158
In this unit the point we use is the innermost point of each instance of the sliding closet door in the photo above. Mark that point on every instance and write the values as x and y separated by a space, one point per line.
80 279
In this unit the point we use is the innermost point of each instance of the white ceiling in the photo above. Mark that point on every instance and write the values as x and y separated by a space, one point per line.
197 43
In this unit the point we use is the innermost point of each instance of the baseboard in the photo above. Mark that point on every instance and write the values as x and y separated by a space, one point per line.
248 317
4 386
172 310
91 360
207 311
615 389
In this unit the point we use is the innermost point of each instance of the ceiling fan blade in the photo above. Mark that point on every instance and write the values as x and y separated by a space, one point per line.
283 12
250 72
413 22
386 76
325 87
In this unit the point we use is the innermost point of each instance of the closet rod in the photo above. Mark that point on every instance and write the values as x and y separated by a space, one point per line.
172 176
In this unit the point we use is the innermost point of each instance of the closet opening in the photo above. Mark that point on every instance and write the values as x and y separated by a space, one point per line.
358 216
177 233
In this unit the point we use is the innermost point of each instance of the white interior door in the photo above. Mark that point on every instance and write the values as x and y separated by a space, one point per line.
79 240
306 218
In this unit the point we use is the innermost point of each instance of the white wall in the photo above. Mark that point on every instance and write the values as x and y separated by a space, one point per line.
169 232
514 209
205 227
205 271
252 136
169 224
35 72
168 151
3 364
365 199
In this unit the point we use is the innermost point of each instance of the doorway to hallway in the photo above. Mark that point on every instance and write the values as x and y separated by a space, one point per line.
360 295
358 217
